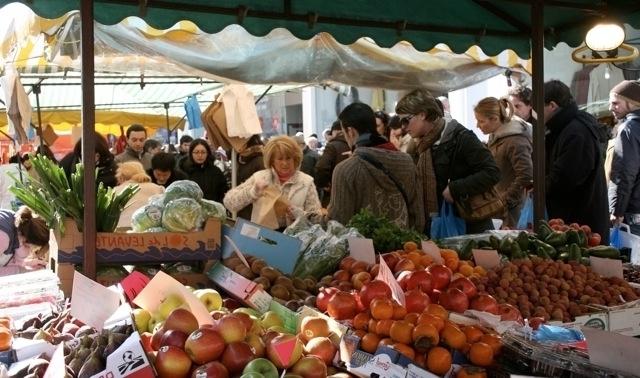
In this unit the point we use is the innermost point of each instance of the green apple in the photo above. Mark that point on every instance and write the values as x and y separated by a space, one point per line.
271 319
249 311
141 317
252 375
261 366
153 321
170 303
279 329
210 298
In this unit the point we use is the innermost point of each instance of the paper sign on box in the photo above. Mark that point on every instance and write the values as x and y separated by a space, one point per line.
56 368
361 249
133 284
430 248
129 360
613 351
163 285
486 258
91 302
606 267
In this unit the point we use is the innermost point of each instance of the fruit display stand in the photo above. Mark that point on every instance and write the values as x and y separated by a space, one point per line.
119 248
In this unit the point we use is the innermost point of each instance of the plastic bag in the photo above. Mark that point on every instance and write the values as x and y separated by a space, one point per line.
614 238
555 333
525 222
447 224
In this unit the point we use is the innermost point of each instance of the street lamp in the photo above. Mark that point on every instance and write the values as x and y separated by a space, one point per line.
605 37
605 40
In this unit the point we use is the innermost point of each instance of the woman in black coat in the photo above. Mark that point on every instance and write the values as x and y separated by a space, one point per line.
200 168
105 163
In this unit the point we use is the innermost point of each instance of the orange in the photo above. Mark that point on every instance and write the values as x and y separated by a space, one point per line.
438 360
437 310
481 354
401 331
399 312
369 342
361 321
381 308
473 333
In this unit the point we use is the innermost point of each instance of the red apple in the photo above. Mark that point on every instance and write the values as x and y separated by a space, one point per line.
174 338
454 300
246 320
156 339
181 320
145 340
204 345
466 286
310 367
231 328
217 314
321 347
236 356
172 361
282 339
212 369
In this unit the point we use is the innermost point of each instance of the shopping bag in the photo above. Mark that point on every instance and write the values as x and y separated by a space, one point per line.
614 237
629 240
446 224
525 222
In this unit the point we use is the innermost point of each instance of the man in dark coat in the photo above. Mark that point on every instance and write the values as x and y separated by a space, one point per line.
575 181
624 187
336 150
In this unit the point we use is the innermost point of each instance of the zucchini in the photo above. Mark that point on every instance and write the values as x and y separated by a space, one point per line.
604 251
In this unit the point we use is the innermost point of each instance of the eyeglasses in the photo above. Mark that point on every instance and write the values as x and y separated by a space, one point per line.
404 121
199 152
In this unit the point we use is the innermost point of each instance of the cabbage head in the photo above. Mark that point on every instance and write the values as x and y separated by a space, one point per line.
146 217
182 215
156 229
182 189
213 209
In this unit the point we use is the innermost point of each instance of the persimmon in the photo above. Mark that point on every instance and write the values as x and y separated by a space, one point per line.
435 321
424 337
426 260
383 328
495 341
369 342
409 246
401 331
437 310
372 325
386 341
405 349
381 308
453 336
471 372
420 359
473 333
361 321
438 360
360 333
5 338
414 256
481 354
412 317
399 312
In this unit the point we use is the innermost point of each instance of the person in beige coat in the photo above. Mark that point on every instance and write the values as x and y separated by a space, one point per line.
280 193
510 143
133 173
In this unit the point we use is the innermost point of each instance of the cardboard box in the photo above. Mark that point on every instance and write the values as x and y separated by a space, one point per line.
598 319
277 249
121 248
249 292
129 361
624 319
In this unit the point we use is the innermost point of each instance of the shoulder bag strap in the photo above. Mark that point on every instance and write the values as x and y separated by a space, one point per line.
376 163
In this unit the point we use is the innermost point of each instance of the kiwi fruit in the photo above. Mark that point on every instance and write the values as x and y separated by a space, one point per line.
269 273
266 284
285 281
245 272
257 265
299 283
310 284
280 291
232 262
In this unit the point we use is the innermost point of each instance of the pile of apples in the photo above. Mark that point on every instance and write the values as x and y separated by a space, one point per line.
238 343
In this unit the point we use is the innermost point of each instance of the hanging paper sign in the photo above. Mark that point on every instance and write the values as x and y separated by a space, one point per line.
361 249
430 248
133 284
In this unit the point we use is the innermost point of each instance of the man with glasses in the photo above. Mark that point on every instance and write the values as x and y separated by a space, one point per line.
376 177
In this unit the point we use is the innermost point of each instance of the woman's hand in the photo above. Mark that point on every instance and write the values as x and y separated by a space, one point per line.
259 188
293 212
446 194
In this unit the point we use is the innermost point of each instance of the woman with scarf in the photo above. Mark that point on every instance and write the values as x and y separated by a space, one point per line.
452 164
280 193
510 143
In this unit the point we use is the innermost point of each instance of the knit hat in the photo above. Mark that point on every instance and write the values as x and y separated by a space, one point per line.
629 89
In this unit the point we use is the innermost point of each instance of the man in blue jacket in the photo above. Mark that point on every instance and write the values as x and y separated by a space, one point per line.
624 186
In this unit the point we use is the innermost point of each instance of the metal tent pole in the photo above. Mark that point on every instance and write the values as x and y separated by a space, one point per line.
166 114
537 56
88 139
36 91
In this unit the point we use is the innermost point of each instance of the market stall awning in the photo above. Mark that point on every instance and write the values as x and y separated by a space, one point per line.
235 55
493 25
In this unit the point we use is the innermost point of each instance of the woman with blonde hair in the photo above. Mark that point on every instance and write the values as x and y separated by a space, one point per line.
510 143
133 173
280 193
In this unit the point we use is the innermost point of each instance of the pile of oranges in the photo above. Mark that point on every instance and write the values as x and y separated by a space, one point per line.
6 336
428 338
